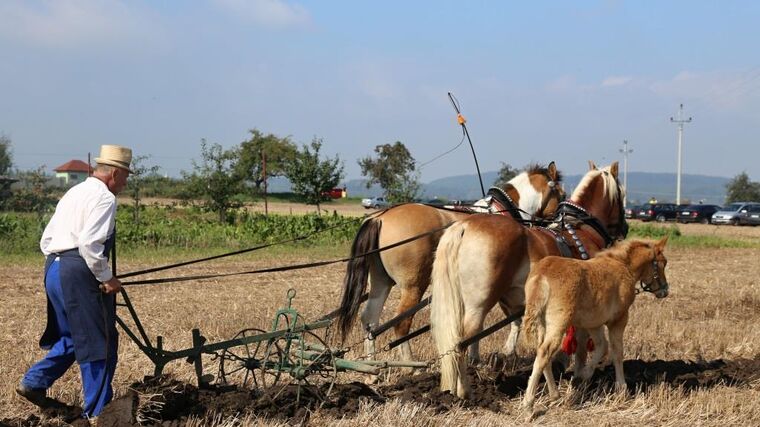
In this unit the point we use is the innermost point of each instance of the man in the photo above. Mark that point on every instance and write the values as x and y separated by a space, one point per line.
80 286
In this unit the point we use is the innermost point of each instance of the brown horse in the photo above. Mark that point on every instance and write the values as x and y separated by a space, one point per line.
534 192
485 259
561 292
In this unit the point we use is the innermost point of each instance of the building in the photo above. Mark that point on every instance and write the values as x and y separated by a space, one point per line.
72 172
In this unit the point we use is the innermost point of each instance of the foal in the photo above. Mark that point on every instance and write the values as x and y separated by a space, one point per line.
589 295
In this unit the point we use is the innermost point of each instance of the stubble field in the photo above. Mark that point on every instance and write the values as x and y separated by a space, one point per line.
691 359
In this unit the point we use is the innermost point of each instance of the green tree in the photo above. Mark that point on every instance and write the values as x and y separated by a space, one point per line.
214 179
394 170
6 158
137 181
312 177
506 172
35 196
279 152
741 189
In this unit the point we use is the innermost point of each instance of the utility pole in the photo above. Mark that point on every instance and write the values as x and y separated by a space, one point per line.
264 174
680 121
625 150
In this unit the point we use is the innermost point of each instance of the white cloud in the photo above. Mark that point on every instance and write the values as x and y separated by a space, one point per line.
268 13
70 23
616 81
722 90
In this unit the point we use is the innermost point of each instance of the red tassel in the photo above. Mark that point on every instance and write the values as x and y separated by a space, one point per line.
569 343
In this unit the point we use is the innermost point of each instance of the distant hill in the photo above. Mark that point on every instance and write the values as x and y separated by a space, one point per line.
641 186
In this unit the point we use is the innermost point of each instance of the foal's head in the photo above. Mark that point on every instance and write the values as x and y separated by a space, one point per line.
653 276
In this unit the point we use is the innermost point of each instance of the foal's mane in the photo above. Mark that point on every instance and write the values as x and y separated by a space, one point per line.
612 190
623 251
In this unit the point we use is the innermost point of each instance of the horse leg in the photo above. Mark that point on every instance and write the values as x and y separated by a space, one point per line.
616 349
581 353
380 286
473 323
410 296
546 349
600 344
510 345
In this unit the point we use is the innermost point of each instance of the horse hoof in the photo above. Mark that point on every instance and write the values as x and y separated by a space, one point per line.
497 361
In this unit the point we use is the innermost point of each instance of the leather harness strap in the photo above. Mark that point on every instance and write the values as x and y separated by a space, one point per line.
503 203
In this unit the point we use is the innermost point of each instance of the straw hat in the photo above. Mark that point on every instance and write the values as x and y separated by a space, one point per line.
115 155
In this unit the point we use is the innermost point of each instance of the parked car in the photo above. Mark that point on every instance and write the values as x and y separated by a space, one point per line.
660 212
750 215
631 212
375 202
697 213
730 213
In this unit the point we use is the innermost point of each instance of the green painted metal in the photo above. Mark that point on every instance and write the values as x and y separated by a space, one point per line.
290 340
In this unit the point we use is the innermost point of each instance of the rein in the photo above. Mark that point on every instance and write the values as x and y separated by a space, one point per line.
287 267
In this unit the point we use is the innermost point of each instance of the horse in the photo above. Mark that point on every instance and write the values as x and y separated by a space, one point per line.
536 192
485 259
561 292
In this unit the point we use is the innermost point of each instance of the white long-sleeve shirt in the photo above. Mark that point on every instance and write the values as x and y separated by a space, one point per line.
83 220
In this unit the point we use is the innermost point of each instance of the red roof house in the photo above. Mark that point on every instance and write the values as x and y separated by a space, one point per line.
73 172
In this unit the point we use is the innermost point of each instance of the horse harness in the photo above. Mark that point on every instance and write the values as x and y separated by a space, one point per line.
569 215
647 287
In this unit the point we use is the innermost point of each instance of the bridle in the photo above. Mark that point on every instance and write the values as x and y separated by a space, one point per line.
663 285
554 190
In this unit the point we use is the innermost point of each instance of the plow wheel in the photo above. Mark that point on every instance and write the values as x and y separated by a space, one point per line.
308 370
316 372
252 365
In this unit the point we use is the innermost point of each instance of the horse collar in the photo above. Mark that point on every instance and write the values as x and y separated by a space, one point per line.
577 241
580 213
500 197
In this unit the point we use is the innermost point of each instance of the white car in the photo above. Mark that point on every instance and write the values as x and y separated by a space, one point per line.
730 213
375 202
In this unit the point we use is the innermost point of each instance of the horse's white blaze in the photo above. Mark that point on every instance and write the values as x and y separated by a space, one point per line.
530 199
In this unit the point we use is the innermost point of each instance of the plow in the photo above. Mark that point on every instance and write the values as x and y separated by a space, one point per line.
293 352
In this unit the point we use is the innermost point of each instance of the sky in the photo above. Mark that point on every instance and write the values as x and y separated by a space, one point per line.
537 81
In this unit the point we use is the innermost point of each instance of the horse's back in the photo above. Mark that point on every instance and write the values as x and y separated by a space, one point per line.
412 260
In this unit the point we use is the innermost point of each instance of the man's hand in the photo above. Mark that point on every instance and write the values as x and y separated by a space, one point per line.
112 286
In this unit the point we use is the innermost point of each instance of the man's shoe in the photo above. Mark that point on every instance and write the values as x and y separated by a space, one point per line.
36 396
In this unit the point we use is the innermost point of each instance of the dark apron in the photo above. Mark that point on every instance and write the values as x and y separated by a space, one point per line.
85 306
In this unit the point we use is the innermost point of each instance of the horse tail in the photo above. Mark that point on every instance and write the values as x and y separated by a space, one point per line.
357 272
447 308
536 299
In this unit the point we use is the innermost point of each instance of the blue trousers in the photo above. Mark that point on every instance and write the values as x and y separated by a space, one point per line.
60 357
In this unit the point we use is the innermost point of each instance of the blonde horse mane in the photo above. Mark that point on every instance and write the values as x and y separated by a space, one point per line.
612 190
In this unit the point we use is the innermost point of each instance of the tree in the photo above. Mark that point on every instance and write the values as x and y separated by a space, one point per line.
506 173
6 159
279 152
214 179
394 170
6 162
741 189
35 196
137 182
311 177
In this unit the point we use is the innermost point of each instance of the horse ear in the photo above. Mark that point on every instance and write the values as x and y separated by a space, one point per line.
552 170
591 165
661 243
614 169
